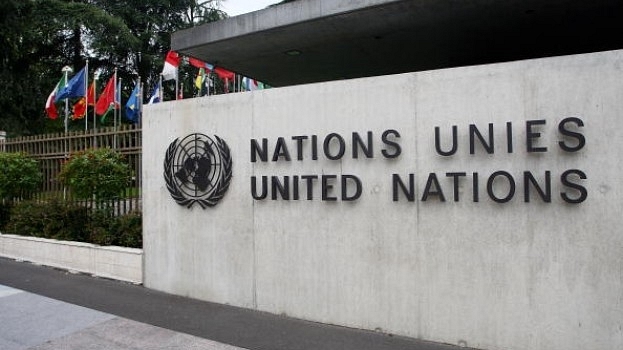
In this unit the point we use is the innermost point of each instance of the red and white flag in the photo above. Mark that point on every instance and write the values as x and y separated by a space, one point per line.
171 62
50 108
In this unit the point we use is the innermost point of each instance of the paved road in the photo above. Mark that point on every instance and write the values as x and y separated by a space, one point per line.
43 308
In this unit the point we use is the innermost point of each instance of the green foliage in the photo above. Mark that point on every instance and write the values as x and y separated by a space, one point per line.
67 221
101 174
124 231
5 214
19 176
129 230
56 219
39 37
101 223
27 218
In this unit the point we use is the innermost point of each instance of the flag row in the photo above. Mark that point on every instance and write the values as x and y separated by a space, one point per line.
202 81
109 99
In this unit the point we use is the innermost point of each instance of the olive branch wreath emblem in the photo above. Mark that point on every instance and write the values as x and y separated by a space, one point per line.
219 188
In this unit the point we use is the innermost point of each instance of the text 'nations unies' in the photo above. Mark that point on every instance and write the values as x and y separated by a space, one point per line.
500 186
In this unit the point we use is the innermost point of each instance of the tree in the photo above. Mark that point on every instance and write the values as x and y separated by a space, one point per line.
20 176
100 174
39 37
152 22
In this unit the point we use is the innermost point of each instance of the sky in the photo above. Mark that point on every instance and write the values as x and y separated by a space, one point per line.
238 7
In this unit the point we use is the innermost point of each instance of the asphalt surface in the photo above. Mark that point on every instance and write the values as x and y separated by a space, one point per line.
110 314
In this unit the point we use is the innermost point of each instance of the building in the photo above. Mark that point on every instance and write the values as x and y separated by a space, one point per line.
442 170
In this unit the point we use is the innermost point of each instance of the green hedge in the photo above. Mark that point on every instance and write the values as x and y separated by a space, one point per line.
5 214
19 176
62 220
99 174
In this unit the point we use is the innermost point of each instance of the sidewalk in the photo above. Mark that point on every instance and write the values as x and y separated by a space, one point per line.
30 321
43 308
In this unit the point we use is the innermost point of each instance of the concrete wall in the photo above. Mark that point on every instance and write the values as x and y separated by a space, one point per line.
514 275
124 264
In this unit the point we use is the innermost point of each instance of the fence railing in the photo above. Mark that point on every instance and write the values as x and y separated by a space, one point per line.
52 150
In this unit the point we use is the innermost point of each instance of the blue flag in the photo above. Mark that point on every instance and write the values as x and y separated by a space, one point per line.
133 107
155 96
118 95
76 87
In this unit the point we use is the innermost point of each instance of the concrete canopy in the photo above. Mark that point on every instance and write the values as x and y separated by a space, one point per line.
309 41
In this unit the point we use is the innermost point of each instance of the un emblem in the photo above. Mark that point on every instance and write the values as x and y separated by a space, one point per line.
197 169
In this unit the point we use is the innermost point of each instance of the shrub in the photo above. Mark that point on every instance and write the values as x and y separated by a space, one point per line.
65 221
100 227
129 230
27 219
99 174
5 214
124 230
55 219
19 176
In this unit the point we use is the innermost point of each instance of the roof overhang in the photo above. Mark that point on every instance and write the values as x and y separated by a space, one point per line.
319 40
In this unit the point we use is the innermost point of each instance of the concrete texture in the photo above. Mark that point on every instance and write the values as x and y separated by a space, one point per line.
515 275
29 320
120 333
155 315
339 39
124 264
33 322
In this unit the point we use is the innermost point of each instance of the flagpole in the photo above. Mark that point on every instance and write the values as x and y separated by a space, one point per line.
117 111
66 70
160 91
114 107
94 108
140 104
86 97
176 88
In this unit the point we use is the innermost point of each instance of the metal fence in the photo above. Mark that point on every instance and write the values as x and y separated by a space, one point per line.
52 150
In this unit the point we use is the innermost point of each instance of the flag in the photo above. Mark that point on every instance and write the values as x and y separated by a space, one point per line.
200 79
75 87
107 98
118 95
155 95
224 73
171 62
133 107
200 64
115 103
250 84
80 107
201 76
196 63
91 95
50 107
244 84
105 115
